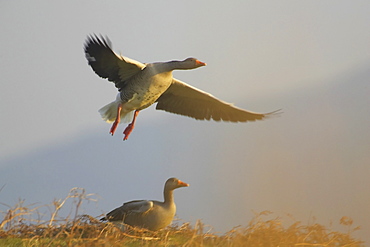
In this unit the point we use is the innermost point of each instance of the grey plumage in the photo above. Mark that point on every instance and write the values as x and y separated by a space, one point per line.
141 85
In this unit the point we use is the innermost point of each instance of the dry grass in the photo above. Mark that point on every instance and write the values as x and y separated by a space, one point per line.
25 226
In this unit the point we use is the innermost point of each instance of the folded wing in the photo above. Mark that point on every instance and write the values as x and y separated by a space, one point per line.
133 207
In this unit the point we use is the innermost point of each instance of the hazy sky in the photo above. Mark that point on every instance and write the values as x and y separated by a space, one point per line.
260 55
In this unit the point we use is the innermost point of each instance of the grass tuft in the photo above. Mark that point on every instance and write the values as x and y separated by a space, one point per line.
24 225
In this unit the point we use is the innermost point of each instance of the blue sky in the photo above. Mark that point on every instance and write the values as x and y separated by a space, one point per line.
310 58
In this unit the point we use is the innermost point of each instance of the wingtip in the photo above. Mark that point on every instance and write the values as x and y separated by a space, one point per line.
99 40
274 113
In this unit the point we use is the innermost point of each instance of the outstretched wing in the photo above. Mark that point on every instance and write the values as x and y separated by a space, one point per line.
183 99
108 64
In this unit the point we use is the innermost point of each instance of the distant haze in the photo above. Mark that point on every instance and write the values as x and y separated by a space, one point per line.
309 58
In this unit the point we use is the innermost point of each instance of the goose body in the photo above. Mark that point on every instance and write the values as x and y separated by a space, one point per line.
141 85
152 215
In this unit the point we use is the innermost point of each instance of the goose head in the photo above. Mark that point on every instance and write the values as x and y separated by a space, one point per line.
174 183
192 63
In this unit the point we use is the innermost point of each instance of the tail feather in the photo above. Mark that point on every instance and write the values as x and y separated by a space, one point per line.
109 113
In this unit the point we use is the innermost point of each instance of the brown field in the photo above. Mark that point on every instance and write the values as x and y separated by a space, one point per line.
24 226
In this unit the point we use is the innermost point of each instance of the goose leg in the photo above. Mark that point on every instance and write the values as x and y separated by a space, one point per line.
116 122
130 127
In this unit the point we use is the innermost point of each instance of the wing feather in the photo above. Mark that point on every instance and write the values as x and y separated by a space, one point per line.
132 207
109 65
183 99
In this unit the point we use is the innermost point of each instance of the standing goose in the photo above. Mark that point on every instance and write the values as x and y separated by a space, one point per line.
151 215
141 85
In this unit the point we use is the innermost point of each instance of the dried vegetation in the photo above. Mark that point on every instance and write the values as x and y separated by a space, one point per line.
25 226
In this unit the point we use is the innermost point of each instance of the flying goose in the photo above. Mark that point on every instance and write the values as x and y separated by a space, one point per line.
141 85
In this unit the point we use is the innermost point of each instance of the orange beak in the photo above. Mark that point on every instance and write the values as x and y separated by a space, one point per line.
183 184
200 63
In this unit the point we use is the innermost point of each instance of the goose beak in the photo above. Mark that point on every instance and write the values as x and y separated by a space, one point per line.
199 63
183 184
